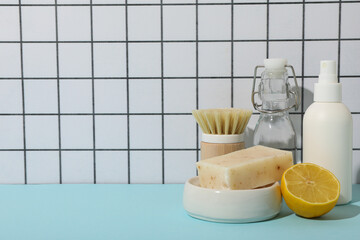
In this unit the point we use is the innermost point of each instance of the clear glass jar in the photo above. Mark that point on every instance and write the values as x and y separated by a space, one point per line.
274 127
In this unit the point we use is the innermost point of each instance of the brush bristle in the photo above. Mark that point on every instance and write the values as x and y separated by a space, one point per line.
222 121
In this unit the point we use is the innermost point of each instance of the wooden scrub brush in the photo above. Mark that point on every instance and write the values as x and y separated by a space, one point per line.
223 130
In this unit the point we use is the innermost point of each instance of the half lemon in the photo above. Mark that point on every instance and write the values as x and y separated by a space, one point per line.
310 190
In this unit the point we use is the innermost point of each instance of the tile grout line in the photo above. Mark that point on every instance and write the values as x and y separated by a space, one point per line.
120 114
96 114
302 81
176 4
22 92
93 89
142 78
105 149
162 93
232 54
339 42
190 41
197 74
267 27
110 149
58 88
127 91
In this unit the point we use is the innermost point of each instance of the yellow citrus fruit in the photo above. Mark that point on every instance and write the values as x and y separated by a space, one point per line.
309 190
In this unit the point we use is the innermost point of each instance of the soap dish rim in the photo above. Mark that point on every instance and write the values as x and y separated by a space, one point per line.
273 209
232 190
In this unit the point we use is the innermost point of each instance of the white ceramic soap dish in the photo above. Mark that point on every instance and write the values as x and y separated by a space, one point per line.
231 206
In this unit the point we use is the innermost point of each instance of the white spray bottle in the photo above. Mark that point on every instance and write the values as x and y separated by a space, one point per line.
328 130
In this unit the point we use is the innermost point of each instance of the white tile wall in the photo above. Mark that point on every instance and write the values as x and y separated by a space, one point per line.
37 162
285 21
104 19
108 1
77 132
74 60
179 59
356 167
241 97
315 15
40 96
73 23
243 15
12 167
351 88
12 2
76 96
145 96
214 22
12 135
349 17
38 23
246 56
145 27
145 166
110 132
214 93
10 60
9 24
317 51
145 132
185 135
356 137
178 22
111 167
10 96
77 167
39 60
42 132
110 96
179 165
98 91
36 1
109 60
179 95
214 59
144 59
349 57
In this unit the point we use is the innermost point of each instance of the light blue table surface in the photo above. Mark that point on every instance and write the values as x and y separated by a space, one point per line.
147 212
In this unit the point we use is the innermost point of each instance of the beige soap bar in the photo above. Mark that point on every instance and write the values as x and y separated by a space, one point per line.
244 169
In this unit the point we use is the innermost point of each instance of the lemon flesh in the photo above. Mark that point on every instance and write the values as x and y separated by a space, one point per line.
310 190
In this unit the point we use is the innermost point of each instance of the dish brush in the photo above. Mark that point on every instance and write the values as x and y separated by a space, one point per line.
223 130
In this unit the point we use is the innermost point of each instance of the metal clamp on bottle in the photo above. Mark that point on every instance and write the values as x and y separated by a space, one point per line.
274 127
295 94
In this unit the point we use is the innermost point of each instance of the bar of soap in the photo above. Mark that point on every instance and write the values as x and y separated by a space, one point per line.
244 169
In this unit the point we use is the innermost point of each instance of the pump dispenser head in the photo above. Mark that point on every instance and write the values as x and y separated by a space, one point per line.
327 72
327 89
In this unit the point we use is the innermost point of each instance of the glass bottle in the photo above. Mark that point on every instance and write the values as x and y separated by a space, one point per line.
274 127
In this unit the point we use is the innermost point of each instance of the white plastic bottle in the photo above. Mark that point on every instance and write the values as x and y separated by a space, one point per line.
328 130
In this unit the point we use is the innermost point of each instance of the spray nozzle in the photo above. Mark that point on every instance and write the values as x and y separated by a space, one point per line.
328 72
328 89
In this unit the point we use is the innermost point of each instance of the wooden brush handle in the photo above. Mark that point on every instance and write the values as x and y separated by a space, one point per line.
209 150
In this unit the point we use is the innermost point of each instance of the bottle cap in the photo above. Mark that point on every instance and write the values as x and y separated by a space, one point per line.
275 63
327 89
